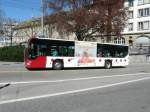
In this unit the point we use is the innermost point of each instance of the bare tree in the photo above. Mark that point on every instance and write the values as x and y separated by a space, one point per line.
114 16
88 18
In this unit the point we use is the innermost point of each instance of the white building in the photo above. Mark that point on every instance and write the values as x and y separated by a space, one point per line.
4 41
137 32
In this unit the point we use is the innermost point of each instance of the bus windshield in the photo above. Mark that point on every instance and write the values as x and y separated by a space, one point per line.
32 50
49 48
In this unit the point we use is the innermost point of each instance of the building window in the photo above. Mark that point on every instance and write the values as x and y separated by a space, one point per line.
130 26
130 41
143 12
140 2
140 26
143 25
146 1
146 11
130 3
130 14
140 13
120 40
146 25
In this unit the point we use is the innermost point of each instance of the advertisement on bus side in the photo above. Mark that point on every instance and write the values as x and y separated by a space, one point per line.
86 53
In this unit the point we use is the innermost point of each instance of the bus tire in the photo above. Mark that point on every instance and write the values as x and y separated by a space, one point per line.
30 69
108 64
57 65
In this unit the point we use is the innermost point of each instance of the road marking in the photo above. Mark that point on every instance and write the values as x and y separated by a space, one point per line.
72 92
14 71
68 80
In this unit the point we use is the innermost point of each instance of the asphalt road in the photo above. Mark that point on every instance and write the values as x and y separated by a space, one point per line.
75 90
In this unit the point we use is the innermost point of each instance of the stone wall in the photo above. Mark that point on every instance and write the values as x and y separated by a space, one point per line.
139 59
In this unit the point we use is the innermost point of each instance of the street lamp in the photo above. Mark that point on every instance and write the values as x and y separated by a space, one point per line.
149 47
42 16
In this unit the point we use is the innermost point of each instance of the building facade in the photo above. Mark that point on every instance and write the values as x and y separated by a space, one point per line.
137 31
24 31
6 37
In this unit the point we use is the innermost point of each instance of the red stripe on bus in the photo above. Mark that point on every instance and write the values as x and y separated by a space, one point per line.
38 62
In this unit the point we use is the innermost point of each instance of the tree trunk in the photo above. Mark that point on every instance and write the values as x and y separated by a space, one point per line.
109 25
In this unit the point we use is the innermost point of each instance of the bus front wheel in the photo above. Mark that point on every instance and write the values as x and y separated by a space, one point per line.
108 64
58 65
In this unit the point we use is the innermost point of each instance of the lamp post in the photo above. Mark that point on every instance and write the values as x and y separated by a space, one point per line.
149 47
42 16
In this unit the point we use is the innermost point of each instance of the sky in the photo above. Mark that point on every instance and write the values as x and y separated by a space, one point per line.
21 10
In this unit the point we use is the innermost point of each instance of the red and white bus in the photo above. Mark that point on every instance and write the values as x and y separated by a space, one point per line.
59 54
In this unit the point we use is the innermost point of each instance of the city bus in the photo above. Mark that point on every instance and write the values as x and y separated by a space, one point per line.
44 53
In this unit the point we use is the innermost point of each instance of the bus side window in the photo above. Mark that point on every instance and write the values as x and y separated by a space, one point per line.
62 51
121 54
54 51
42 50
66 51
71 51
99 54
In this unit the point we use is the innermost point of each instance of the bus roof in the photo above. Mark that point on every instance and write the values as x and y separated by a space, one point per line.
77 41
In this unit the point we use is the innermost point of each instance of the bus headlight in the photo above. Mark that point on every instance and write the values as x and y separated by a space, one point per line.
28 63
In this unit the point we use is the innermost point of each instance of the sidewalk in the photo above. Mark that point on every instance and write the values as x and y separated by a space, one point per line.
139 59
11 63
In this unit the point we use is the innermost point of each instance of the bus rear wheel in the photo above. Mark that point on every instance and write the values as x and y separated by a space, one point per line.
58 65
108 64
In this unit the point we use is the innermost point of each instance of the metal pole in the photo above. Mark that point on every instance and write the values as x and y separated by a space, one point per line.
149 46
11 36
42 16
